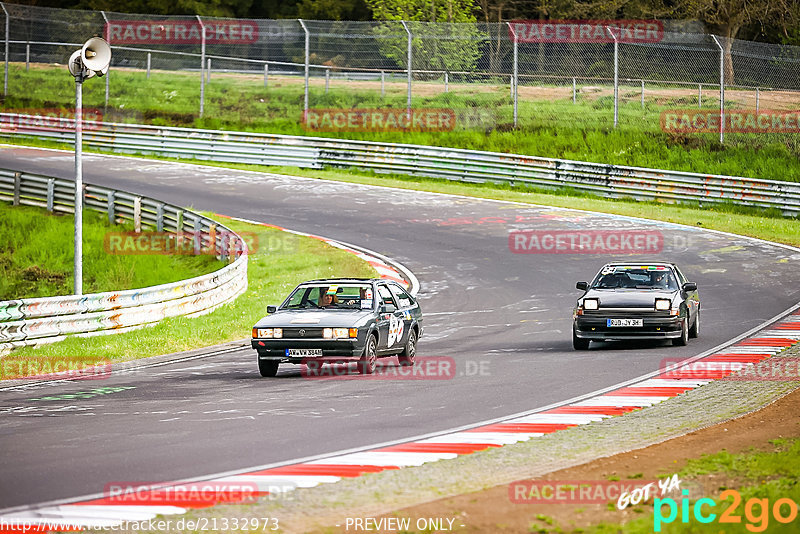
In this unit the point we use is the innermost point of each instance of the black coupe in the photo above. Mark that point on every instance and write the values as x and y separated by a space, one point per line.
339 320
636 301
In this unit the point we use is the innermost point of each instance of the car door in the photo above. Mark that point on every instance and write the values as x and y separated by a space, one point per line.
390 322
408 308
692 298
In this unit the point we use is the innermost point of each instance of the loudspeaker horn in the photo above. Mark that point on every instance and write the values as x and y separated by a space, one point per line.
96 55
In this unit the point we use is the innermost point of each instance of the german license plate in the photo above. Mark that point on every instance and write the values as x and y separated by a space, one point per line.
623 322
304 352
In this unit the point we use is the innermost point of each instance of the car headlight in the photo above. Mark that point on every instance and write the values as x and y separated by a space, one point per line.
591 304
327 333
663 304
340 332
267 332
277 332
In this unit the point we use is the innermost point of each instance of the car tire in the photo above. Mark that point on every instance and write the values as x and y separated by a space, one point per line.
268 367
694 331
409 354
366 365
579 343
684 339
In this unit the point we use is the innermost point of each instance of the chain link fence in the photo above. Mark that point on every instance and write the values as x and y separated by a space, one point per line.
273 73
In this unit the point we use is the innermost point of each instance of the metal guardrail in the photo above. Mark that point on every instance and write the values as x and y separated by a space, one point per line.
35 321
612 181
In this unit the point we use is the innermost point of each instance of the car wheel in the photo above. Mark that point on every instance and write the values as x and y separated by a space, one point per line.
268 367
694 331
579 343
366 365
409 353
684 339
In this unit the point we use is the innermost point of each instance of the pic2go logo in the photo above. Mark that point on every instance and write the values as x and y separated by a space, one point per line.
756 511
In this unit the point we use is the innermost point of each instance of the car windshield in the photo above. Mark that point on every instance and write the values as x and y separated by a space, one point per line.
330 297
635 277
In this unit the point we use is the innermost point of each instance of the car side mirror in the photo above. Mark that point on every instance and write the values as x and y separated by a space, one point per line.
583 286
690 286
272 309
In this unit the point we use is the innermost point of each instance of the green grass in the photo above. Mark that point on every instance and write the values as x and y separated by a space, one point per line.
280 261
549 126
770 475
36 256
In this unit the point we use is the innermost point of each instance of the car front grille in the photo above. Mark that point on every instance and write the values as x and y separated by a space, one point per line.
295 333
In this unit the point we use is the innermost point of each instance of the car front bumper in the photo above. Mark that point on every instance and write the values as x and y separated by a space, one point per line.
596 328
333 350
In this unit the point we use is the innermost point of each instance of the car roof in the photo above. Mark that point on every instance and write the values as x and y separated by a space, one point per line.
340 280
660 263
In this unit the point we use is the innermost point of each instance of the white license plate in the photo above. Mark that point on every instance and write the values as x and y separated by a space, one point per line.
304 352
624 322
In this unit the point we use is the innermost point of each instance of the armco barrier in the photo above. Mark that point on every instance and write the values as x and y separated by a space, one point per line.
44 320
612 181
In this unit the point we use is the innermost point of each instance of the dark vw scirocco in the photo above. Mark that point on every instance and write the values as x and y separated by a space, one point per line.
636 301
339 320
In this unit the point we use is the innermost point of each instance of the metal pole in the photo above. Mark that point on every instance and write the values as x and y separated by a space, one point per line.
148 65
266 73
616 77
642 94
27 57
757 99
108 39
327 79
5 57
574 91
721 90
305 97
446 84
202 64
515 77
208 70
699 95
78 258
408 70
383 84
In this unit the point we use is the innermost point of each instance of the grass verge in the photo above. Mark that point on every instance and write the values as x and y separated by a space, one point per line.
280 262
550 124
36 256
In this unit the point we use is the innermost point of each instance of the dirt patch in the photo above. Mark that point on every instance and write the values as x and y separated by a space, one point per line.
491 510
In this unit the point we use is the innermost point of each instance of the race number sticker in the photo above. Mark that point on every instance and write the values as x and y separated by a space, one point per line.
395 330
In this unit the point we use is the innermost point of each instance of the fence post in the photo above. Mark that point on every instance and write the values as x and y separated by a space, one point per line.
446 80
112 204
5 56
202 64
642 94
408 70
27 57
574 90
383 82
266 73
515 77
757 99
160 217
137 214
327 79
148 65
51 190
208 70
107 35
721 90
17 185
616 76
305 97
699 95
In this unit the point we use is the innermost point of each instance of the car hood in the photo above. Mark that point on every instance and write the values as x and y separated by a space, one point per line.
314 318
628 298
